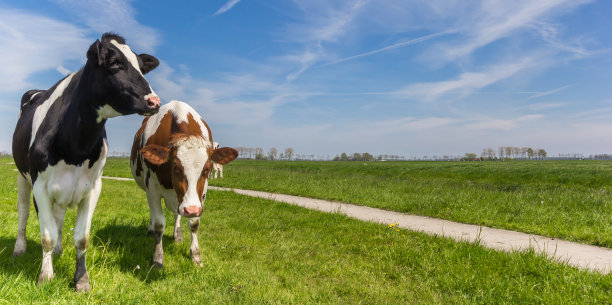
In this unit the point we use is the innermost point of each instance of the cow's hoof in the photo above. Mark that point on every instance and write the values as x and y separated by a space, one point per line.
158 265
178 239
18 252
44 277
20 248
82 287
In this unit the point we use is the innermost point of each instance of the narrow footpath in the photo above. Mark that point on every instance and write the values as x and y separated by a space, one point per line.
583 256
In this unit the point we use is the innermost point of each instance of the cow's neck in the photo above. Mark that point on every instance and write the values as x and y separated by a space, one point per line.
82 131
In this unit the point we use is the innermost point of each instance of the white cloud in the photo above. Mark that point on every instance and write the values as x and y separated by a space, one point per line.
467 81
114 16
63 70
553 91
499 19
32 43
226 7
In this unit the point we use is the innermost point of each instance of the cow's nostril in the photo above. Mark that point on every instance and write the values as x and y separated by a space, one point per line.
192 211
153 100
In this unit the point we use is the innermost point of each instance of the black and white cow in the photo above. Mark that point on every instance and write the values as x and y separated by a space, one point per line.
60 147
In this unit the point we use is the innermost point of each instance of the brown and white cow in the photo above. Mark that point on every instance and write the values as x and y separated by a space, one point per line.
171 158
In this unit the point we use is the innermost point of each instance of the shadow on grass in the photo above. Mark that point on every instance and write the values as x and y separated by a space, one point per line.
125 246
132 249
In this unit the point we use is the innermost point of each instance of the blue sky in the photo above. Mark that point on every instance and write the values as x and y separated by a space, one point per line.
413 78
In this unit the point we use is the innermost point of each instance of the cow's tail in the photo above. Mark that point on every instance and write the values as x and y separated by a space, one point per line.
27 97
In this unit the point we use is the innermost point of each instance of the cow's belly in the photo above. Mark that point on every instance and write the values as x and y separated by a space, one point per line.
67 185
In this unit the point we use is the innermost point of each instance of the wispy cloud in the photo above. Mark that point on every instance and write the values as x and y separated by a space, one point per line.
390 47
553 91
33 43
115 16
226 7
498 19
466 82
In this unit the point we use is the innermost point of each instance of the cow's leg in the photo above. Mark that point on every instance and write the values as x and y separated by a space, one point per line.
194 224
157 225
221 171
48 231
24 190
178 233
81 236
59 213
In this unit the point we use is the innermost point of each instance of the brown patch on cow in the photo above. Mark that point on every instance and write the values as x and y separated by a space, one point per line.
194 225
81 244
135 154
208 128
178 179
224 155
46 243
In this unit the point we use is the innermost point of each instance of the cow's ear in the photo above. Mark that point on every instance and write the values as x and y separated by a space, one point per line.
224 155
96 53
148 63
155 154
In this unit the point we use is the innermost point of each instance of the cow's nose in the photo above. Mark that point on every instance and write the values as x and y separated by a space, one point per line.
153 101
192 211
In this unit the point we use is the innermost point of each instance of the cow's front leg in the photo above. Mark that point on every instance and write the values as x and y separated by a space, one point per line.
157 224
194 224
48 231
178 233
58 213
81 236
24 189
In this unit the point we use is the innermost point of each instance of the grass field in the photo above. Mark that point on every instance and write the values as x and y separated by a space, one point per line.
564 199
257 251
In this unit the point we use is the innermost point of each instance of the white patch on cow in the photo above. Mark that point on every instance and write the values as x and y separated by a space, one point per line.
41 111
106 112
191 151
31 98
66 184
180 110
131 57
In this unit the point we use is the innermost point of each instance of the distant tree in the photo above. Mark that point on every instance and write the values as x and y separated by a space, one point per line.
289 153
470 156
530 153
501 150
272 153
367 157
541 153
259 153
344 157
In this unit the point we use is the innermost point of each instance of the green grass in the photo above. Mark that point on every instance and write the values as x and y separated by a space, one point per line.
563 199
257 251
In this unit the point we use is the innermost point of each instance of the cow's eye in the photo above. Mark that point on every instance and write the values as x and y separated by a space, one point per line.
115 65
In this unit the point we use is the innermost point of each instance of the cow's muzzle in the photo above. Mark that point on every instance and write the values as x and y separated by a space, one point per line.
192 211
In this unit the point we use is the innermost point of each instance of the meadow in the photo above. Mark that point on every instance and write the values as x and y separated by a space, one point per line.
562 199
257 251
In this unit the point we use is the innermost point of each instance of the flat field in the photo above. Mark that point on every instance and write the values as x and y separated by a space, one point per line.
257 251
563 199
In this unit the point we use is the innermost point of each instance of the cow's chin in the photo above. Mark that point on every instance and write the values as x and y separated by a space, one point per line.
147 111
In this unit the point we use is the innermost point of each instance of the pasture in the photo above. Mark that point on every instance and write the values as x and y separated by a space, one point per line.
257 251
562 199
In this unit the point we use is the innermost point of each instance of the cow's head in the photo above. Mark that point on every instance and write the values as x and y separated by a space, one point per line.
117 78
190 161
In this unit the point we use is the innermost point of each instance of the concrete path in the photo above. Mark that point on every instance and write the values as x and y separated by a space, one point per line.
582 256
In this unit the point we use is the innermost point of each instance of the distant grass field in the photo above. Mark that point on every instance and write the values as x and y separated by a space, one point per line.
564 199
257 251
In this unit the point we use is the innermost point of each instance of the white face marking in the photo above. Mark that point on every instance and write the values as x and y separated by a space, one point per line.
131 57
106 112
192 154
41 111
